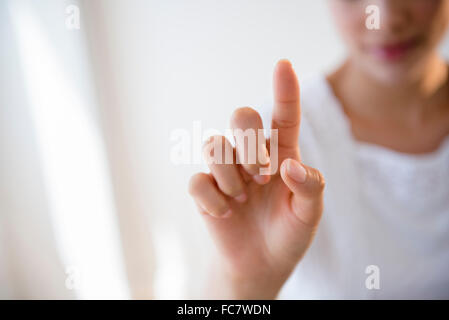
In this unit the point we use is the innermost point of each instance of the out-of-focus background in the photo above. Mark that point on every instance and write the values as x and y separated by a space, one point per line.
93 187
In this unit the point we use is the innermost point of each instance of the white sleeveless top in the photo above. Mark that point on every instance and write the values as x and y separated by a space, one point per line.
382 208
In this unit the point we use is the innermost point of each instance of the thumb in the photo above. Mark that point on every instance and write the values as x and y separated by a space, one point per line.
307 186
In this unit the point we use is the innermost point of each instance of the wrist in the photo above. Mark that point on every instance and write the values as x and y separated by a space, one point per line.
229 286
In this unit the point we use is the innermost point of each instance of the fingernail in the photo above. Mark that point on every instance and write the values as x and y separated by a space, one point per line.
261 179
296 171
241 198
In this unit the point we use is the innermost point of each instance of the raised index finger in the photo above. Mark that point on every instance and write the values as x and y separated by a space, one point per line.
286 112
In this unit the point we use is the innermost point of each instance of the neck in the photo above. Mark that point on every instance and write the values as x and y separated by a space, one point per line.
410 98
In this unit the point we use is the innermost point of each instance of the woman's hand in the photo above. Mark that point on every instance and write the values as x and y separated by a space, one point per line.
261 224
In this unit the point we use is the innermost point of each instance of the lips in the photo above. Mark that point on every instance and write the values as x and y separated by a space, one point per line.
395 51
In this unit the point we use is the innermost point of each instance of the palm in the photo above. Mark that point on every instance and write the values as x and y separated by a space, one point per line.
256 235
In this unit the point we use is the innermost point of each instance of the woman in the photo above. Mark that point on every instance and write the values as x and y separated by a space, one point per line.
377 129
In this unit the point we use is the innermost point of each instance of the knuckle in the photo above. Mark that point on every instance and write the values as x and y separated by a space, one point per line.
285 123
320 181
214 140
196 182
219 211
232 190
244 113
213 149
252 169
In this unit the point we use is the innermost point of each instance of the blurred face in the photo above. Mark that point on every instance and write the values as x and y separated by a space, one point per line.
407 38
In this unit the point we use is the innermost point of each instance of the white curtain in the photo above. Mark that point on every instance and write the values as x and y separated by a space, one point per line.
64 233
